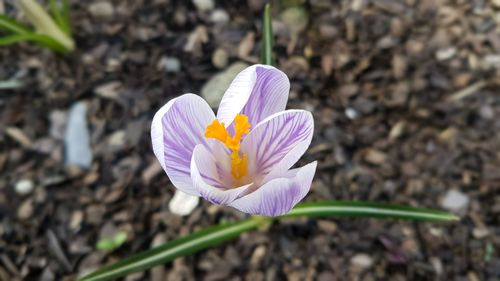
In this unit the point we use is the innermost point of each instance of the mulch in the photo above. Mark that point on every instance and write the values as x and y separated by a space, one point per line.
404 96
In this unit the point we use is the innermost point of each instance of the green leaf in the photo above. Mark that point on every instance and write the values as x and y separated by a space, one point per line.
112 243
60 14
12 39
13 26
180 247
45 24
40 39
366 209
217 234
267 37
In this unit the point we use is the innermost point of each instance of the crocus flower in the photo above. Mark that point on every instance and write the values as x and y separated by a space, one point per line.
241 157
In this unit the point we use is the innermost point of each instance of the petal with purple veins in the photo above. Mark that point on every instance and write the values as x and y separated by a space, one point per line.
175 130
282 138
207 178
258 92
280 195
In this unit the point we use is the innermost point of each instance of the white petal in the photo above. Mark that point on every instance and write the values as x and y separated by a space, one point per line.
278 196
175 130
205 174
281 139
258 91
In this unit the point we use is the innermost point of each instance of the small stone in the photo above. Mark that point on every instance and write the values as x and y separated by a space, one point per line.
76 220
375 157
258 254
102 10
220 58
437 265
183 204
25 211
327 226
295 18
246 45
219 16
196 38
455 201
363 261
76 138
480 232
214 89
57 124
487 112
445 54
351 113
492 61
117 140
169 64
204 5
496 3
24 186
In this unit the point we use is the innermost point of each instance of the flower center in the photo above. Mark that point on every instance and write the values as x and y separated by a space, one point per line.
217 131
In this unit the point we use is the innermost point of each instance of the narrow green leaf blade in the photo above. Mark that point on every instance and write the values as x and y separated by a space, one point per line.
180 247
39 39
12 39
66 15
60 15
13 26
217 234
366 209
267 37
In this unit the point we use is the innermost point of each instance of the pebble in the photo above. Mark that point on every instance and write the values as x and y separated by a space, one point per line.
480 232
24 186
183 204
295 18
257 256
220 58
25 211
455 201
76 138
214 89
351 113
487 112
102 10
219 16
57 124
363 261
117 140
204 5
327 226
169 64
445 54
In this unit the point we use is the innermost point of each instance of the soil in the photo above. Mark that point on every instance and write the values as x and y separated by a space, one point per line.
404 96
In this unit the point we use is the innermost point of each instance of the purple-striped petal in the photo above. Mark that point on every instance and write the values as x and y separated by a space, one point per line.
282 138
206 175
278 196
258 92
175 130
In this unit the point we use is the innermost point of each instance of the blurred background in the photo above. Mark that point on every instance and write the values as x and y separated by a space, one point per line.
405 101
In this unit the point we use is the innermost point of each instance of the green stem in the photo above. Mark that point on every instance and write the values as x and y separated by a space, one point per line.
267 37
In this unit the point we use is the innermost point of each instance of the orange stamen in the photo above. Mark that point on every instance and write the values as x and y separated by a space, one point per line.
217 131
